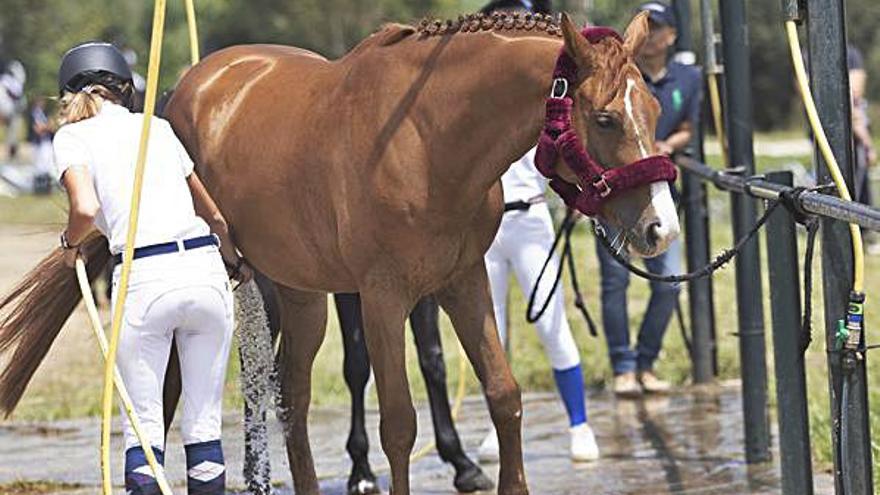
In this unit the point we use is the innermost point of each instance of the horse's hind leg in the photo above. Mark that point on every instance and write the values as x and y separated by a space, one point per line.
384 315
469 305
303 322
356 367
468 476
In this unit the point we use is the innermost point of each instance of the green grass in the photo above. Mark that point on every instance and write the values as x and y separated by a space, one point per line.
77 394
34 210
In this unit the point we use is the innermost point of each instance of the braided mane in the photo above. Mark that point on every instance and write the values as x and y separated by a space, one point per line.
496 21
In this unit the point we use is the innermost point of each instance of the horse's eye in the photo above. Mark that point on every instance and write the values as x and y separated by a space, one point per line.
605 121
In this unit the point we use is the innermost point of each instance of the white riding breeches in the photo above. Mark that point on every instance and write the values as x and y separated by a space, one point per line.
522 244
185 296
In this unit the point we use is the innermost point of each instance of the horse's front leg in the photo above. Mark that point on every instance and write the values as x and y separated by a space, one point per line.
384 314
468 302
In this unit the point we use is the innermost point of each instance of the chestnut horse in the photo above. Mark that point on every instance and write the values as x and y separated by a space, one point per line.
378 173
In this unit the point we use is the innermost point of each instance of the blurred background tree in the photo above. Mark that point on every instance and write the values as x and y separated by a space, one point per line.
37 32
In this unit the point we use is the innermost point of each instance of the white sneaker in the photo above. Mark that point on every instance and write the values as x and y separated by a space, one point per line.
583 444
488 451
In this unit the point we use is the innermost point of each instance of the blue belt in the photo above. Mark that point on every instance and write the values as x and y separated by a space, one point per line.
170 247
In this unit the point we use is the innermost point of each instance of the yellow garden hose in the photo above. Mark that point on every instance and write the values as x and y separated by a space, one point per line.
717 116
827 153
128 253
193 31
95 320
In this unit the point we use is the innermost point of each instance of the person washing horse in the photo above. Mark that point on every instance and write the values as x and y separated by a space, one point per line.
179 287
521 245
678 90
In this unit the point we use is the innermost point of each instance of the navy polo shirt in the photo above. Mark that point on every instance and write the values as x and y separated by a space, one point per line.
679 92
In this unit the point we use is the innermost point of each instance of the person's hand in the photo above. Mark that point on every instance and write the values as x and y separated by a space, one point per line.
871 155
245 274
240 271
663 148
70 255
70 252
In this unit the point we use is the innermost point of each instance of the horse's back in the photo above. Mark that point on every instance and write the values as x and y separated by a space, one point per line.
213 92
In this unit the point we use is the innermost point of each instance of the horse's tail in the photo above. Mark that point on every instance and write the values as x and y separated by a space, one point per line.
32 314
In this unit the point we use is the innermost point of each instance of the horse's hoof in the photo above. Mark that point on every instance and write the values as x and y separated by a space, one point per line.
472 480
363 487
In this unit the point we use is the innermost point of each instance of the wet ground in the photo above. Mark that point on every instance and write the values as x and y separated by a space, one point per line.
689 443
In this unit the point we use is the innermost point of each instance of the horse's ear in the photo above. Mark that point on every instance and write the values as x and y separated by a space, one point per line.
392 33
636 33
577 47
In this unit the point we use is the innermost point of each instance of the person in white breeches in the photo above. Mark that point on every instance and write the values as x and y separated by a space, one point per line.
178 287
521 245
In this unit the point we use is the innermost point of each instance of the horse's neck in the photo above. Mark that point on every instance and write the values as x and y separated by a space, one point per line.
500 85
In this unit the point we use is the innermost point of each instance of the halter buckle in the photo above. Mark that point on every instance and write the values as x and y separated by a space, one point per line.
602 186
559 89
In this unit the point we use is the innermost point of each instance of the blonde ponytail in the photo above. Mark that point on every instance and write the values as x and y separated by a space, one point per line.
83 104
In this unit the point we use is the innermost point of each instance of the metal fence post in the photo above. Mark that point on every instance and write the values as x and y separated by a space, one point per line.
830 82
752 347
696 228
791 380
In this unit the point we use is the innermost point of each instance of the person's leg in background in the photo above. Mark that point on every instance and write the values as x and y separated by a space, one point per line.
615 322
664 297
534 241
203 340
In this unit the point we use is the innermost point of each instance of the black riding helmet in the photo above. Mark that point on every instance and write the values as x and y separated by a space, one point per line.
534 6
93 62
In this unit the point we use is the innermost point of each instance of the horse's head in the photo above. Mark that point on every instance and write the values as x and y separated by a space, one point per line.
612 120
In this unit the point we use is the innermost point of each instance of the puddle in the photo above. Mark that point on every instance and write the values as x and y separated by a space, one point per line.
690 442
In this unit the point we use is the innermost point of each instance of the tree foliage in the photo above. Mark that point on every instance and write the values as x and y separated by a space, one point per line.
39 31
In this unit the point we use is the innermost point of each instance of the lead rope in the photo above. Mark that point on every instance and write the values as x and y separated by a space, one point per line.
565 231
719 261
790 200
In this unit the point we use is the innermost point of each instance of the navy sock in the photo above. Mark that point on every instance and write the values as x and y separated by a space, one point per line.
570 383
139 479
206 472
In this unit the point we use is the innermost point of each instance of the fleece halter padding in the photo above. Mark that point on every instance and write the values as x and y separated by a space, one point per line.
559 139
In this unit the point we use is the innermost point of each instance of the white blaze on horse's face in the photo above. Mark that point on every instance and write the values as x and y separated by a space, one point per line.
660 219
666 227
627 103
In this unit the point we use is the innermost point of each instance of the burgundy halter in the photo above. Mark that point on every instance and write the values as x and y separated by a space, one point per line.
559 139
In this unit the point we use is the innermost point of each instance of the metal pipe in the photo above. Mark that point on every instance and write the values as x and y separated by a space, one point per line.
684 42
753 363
694 204
791 380
827 206
791 10
826 28
710 60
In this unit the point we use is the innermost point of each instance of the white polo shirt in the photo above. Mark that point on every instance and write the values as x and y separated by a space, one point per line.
522 181
107 145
